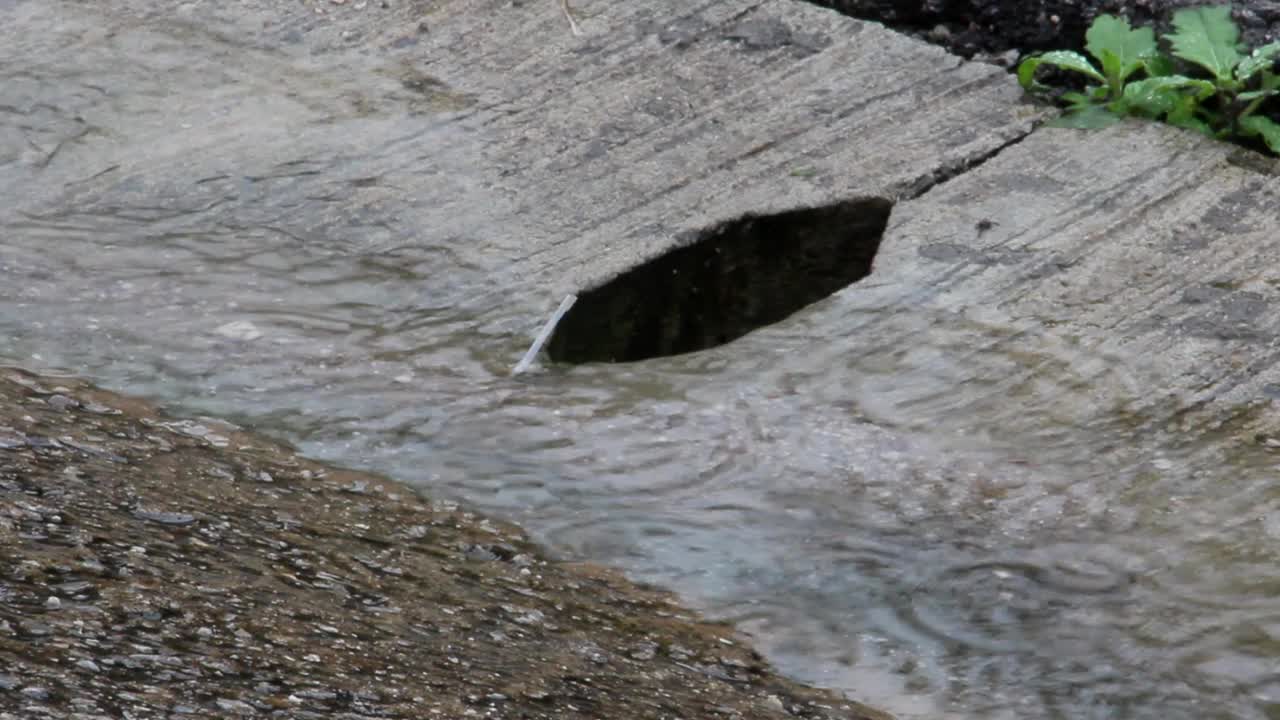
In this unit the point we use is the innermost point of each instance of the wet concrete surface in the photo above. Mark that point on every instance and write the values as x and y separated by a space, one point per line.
1011 473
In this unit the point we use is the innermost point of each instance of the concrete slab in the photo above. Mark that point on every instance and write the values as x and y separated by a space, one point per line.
490 134
173 171
1153 251
504 152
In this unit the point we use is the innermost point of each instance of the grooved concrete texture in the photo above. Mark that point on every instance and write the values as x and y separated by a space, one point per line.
531 157
523 161
1144 245
531 162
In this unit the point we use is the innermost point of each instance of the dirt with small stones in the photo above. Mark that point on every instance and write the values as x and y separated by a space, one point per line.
1002 29
156 567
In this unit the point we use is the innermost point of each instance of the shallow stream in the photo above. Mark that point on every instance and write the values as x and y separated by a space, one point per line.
933 512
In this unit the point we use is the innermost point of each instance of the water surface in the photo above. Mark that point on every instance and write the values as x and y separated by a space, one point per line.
941 513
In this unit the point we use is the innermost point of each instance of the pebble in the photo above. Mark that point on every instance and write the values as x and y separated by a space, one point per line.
235 706
35 629
62 402
10 441
97 409
88 665
36 693
645 651
679 652
75 587
53 602
479 553
165 518
533 617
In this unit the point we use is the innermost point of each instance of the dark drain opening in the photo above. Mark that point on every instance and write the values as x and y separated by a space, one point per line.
736 277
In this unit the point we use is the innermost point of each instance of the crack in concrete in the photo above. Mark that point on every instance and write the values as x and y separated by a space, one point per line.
949 171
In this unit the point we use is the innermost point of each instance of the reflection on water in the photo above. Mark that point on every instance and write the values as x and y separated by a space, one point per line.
936 511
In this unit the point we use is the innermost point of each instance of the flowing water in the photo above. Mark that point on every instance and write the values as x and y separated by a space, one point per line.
940 513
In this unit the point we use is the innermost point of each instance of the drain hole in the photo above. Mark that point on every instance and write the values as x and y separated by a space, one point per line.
736 277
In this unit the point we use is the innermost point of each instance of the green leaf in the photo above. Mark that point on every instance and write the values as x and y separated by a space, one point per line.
1264 126
1270 87
1259 59
1208 37
1064 59
1092 117
1255 94
1191 123
1158 66
1199 89
1121 49
1159 96
1190 114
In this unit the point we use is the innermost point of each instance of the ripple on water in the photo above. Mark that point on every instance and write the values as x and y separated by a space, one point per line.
945 512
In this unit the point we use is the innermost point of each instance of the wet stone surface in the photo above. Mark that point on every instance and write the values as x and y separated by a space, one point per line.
146 572
275 218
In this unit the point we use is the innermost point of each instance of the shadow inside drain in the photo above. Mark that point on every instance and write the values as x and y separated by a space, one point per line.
733 278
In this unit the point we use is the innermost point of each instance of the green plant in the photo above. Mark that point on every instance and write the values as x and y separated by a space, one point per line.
1219 96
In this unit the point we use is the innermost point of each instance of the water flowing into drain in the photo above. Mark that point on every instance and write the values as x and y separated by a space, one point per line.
733 278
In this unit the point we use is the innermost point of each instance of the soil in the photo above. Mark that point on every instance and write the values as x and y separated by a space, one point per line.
155 567
997 27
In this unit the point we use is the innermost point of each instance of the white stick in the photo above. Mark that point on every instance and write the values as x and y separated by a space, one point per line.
544 334
568 13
